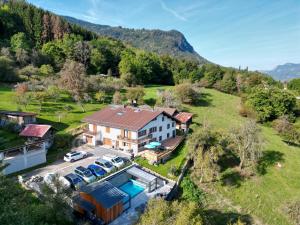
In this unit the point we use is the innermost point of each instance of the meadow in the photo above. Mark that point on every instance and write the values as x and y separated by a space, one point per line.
263 196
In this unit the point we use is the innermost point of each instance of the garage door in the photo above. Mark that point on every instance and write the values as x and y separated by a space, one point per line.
106 141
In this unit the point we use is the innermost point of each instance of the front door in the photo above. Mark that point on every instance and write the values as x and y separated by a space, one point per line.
89 140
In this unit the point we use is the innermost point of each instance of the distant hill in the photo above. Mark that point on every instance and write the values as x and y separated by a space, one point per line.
285 72
162 42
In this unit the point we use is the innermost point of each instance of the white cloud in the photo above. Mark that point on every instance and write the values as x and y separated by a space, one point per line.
172 11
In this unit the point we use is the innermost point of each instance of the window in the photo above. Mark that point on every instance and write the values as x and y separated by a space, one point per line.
173 124
163 118
160 138
107 129
126 133
160 128
152 130
142 133
168 135
174 133
142 144
124 144
168 126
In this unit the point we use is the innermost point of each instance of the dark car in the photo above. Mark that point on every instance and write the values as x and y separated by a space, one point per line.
75 181
97 170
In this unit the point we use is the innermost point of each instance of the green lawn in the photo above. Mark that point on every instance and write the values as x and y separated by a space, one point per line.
49 110
177 159
8 140
263 196
266 195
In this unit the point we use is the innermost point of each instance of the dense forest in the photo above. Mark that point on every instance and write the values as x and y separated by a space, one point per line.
170 42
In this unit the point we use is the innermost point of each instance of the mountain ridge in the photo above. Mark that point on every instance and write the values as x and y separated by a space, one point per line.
285 71
171 42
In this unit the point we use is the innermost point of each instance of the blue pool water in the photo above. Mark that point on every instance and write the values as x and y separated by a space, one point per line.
131 188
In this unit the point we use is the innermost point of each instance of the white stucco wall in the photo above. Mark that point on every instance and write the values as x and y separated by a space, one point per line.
115 132
164 124
24 161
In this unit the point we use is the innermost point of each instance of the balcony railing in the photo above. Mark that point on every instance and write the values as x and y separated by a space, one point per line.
140 140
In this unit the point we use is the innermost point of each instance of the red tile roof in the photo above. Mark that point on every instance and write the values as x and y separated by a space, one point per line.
35 130
184 117
123 117
170 111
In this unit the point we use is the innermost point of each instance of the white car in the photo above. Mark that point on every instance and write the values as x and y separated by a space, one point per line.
115 160
53 180
105 164
73 156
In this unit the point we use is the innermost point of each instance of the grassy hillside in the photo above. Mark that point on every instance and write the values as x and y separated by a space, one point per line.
264 196
48 114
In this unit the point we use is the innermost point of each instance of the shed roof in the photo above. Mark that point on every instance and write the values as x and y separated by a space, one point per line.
184 117
105 193
87 206
137 172
35 130
17 113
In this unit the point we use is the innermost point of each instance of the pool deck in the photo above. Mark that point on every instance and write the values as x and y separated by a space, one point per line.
130 216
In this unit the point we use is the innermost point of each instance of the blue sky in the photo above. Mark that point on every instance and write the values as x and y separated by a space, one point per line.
259 34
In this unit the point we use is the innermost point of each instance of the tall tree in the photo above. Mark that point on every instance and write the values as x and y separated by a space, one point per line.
248 144
73 79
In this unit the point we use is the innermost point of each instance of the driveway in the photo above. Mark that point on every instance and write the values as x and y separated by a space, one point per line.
62 168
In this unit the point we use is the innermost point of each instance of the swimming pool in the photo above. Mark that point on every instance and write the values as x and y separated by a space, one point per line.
132 188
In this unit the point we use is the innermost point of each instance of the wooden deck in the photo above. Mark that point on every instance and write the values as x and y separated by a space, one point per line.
156 156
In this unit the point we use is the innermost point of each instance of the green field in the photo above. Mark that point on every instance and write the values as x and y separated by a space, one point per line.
176 160
263 196
266 195
48 114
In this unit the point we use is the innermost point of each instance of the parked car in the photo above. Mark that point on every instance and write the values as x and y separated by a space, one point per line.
75 181
85 174
53 180
98 171
115 160
106 165
73 156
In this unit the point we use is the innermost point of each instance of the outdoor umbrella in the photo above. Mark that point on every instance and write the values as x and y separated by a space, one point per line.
155 143
150 146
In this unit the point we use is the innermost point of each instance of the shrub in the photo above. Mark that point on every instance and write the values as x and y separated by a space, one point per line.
62 141
293 210
286 129
191 192
187 93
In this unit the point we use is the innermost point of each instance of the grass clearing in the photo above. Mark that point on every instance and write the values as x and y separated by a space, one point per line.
48 114
263 196
177 159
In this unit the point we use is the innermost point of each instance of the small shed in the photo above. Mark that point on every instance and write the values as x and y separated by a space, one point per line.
21 118
185 120
149 180
103 199
38 132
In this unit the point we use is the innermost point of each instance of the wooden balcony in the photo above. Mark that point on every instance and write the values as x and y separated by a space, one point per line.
136 141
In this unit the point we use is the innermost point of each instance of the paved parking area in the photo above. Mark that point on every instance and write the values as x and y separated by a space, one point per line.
62 168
